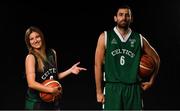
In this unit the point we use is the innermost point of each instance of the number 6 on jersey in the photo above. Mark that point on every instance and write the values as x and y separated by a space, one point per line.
122 60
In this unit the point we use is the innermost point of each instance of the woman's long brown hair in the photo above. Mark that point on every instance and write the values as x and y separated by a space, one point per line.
41 55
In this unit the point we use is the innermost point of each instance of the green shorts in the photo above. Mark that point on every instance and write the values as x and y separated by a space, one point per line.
119 96
36 105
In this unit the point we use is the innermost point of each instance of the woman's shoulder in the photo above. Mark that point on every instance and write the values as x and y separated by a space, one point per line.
30 57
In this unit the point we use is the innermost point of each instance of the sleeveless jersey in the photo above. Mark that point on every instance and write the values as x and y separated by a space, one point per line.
122 58
49 72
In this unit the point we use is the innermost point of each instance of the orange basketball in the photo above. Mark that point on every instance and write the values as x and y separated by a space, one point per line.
48 97
146 66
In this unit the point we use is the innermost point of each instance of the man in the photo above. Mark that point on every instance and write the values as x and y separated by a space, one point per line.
119 50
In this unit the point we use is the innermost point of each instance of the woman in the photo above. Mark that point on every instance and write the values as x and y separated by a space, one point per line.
40 65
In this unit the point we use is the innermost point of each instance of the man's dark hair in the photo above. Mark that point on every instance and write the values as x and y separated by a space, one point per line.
121 6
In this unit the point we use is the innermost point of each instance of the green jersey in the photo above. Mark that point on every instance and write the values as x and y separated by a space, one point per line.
50 71
122 57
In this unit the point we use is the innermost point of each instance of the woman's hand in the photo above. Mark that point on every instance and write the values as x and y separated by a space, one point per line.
56 91
75 69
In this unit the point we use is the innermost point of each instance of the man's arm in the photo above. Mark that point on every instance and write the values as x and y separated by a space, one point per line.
99 58
149 50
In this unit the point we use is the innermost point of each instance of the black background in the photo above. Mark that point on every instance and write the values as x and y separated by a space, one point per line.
72 29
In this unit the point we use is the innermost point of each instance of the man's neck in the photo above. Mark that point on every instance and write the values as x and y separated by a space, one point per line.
123 31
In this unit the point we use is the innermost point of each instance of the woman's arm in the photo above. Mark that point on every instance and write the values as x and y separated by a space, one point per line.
73 70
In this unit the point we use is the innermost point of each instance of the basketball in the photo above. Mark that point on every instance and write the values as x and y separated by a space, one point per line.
48 97
146 66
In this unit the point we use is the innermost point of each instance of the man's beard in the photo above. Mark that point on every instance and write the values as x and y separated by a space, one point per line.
123 24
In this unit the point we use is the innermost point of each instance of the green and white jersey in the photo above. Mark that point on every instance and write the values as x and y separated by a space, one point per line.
122 56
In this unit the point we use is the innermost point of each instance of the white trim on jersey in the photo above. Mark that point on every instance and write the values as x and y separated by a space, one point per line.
115 29
105 39
120 36
104 90
141 38
142 103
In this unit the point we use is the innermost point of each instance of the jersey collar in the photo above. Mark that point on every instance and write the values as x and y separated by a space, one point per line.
120 36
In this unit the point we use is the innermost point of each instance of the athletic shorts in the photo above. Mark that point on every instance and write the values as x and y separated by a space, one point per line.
119 96
35 105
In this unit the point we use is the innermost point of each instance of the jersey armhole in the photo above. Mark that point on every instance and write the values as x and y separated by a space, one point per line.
55 56
141 39
105 39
